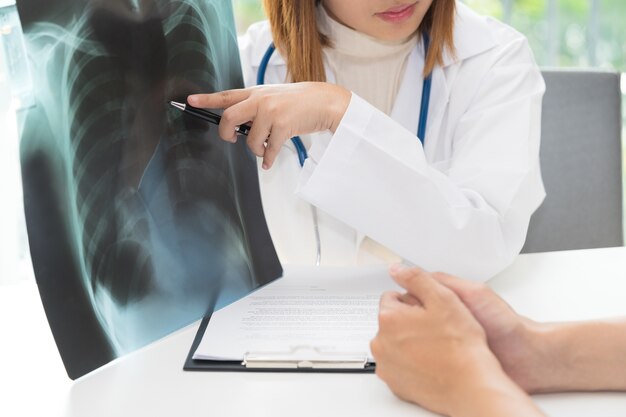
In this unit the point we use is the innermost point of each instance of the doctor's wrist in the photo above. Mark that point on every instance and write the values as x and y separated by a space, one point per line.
338 99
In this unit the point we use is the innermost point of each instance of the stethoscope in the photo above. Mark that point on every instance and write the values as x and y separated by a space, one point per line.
301 150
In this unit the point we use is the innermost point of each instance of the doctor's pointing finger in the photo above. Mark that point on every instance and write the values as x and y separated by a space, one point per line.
277 113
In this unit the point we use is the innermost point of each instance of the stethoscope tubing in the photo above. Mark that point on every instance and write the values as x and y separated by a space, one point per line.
260 80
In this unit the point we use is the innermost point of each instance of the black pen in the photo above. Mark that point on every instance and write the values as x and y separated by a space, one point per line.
207 116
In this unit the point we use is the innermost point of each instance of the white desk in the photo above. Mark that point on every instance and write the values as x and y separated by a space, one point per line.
150 382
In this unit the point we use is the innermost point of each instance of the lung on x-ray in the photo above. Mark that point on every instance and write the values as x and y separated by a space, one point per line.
140 219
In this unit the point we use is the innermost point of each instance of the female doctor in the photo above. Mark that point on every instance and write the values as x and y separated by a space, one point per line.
418 125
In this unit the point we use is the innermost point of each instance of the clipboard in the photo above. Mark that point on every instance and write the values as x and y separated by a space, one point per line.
300 359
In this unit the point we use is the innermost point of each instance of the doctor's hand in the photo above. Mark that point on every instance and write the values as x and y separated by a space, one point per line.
430 350
277 113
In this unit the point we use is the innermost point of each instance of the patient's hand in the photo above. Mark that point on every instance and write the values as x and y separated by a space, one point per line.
547 357
510 336
431 350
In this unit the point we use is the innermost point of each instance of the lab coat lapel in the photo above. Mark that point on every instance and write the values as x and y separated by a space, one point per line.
471 37
439 97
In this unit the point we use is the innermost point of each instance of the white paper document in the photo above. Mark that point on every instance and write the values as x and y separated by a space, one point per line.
312 311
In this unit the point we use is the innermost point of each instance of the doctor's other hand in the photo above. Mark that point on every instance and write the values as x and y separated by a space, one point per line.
430 350
277 113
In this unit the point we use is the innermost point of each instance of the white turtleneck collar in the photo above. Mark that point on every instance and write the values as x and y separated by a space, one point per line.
348 41
367 66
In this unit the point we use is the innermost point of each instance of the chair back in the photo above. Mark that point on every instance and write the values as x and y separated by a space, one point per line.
580 163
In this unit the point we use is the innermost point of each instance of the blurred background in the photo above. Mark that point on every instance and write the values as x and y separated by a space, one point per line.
562 33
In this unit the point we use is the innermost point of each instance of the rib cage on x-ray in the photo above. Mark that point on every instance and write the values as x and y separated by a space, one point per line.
165 218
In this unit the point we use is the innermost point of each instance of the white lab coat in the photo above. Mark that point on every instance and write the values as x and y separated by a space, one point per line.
460 204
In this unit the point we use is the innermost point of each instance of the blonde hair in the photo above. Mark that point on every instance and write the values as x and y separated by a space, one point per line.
296 36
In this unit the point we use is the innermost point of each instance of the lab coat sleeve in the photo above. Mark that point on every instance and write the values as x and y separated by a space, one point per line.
469 218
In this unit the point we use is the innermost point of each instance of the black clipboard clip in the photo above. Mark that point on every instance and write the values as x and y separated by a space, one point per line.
305 357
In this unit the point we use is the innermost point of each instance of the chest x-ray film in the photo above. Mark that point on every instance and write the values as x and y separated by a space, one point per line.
140 219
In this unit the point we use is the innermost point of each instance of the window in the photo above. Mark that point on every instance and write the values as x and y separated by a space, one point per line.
568 33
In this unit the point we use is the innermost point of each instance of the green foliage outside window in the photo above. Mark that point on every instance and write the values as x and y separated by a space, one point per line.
247 12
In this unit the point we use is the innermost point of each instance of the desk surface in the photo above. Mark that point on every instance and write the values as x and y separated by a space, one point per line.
567 285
